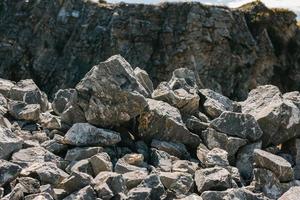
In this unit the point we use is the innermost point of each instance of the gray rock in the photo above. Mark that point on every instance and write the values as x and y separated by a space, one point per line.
16 193
5 87
164 122
83 166
101 162
139 193
196 125
21 110
175 149
191 197
79 153
61 99
110 93
134 178
293 148
178 183
238 124
9 143
214 157
276 164
279 118
244 159
9 171
40 196
154 183
84 134
75 181
3 105
55 145
184 166
86 193
234 193
162 160
144 79
291 194
49 121
30 185
216 178
130 162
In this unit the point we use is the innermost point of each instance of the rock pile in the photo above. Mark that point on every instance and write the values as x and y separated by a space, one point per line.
116 137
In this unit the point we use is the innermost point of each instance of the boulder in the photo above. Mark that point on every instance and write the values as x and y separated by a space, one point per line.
196 125
237 124
154 183
164 122
9 143
61 98
79 153
101 162
84 134
83 166
274 163
144 79
75 181
185 166
291 194
55 145
134 178
86 193
162 160
178 183
9 171
110 93
23 111
175 149
292 147
214 157
49 121
5 87
30 185
130 162
234 193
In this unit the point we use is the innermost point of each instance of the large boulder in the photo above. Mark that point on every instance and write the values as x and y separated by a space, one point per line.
278 117
110 93
9 143
23 111
162 121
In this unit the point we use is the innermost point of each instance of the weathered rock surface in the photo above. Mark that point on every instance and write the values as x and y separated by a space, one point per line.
9 171
61 99
9 143
291 194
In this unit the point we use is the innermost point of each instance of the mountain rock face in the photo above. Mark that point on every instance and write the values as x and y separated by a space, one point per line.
231 51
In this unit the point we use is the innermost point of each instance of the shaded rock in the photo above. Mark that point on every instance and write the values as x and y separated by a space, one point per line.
164 122
5 87
55 145
75 181
144 79
293 148
30 185
84 134
3 105
9 171
9 143
276 164
21 110
50 121
16 193
191 197
244 159
175 149
178 183
40 196
196 125
291 194
61 99
142 148
134 178
216 178
86 193
83 166
101 162
279 118
161 160
139 193
79 153
130 162
238 124
214 157
235 193
184 166
59 193
153 182
110 93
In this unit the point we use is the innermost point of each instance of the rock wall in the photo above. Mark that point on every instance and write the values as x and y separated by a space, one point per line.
57 42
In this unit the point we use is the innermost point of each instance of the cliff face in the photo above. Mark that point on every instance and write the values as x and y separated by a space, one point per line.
232 51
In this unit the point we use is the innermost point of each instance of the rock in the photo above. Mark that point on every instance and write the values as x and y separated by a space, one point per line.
75 181
5 87
215 104
244 159
61 99
41 196
291 194
101 162
142 148
9 171
50 121
86 193
110 93
28 91
30 185
83 166
139 193
238 124
276 164
59 193
130 162
214 139
153 182
134 178
79 153
216 178
195 125
23 111
293 148
175 149
16 193
144 79
9 143
164 122
214 157
184 166
191 197
3 105
55 146
279 118
178 183
161 160
84 134
234 193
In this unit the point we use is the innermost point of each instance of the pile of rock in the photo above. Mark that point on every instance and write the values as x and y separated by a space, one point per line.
115 137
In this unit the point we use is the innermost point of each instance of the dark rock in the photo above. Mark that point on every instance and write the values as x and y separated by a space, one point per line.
175 149
55 145
101 162
162 160
80 153
9 171
83 166
86 193
9 143
214 157
21 110
235 193
293 148
195 125
154 183
61 99
178 183
75 181
30 185
130 162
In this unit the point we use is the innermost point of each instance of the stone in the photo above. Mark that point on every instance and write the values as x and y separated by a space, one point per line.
215 104
79 153
154 183
274 163
110 93
55 146
130 162
9 171
59 193
234 193
5 87
142 148
16 193
175 149
216 178
101 162
3 105
161 160
244 159
144 79
292 147
178 183
139 193
191 197
40 196
84 134
61 99
291 194
50 121
214 157
83 166
238 124
279 118
195 125
185 166
21 110
86 193
164 122
75 181
134 178
214 139
30 185
9 143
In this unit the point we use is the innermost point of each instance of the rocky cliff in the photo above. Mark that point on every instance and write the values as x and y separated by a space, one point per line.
232 51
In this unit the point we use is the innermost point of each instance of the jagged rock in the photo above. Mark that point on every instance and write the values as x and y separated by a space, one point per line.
83 166
293 148
175 149
196 125
21 110
164 122
214 139
214 157
179 183
216 178
86 193
30 185
61 99
244 159
84 134
237 124
276 164
110 93
142 148
153 182
3 105
234 193
46 172
184 166
191 197
50 121
75 181
9 171
279 118
130 162
144 79
40 196
134 178
79 153
161 160
291 194
59 193
101 162
215 104
16 193
139 193
9 143
5 87
55 145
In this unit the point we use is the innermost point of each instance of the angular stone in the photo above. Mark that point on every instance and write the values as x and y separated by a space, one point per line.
101 162
291 194
134 178
83 166
40 196
216 178
3 105
9 171
153 182
86 193
178 183
55 146
84 134
61 98
50 121
144 79
21 110
130 162
5 87
293 148
196 125
9 143
234 193
79 153
185 166
191 197
75 181
276 164
164 122
175 149
214 157
139 193
238 124
161 160
30 185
